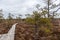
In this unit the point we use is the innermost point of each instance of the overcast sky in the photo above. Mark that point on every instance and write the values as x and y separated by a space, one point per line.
19 6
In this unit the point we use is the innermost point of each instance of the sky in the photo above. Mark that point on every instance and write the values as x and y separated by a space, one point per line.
17 7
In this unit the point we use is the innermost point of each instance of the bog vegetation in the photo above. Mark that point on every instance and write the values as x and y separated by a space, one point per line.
42 19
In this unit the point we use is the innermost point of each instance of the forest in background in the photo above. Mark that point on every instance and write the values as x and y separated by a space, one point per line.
36 26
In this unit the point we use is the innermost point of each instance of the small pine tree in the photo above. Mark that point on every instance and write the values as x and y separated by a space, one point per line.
9 16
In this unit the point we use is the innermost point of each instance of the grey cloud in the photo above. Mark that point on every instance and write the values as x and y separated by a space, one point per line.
18 6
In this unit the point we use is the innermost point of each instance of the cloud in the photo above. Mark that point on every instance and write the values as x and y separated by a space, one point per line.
19 6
